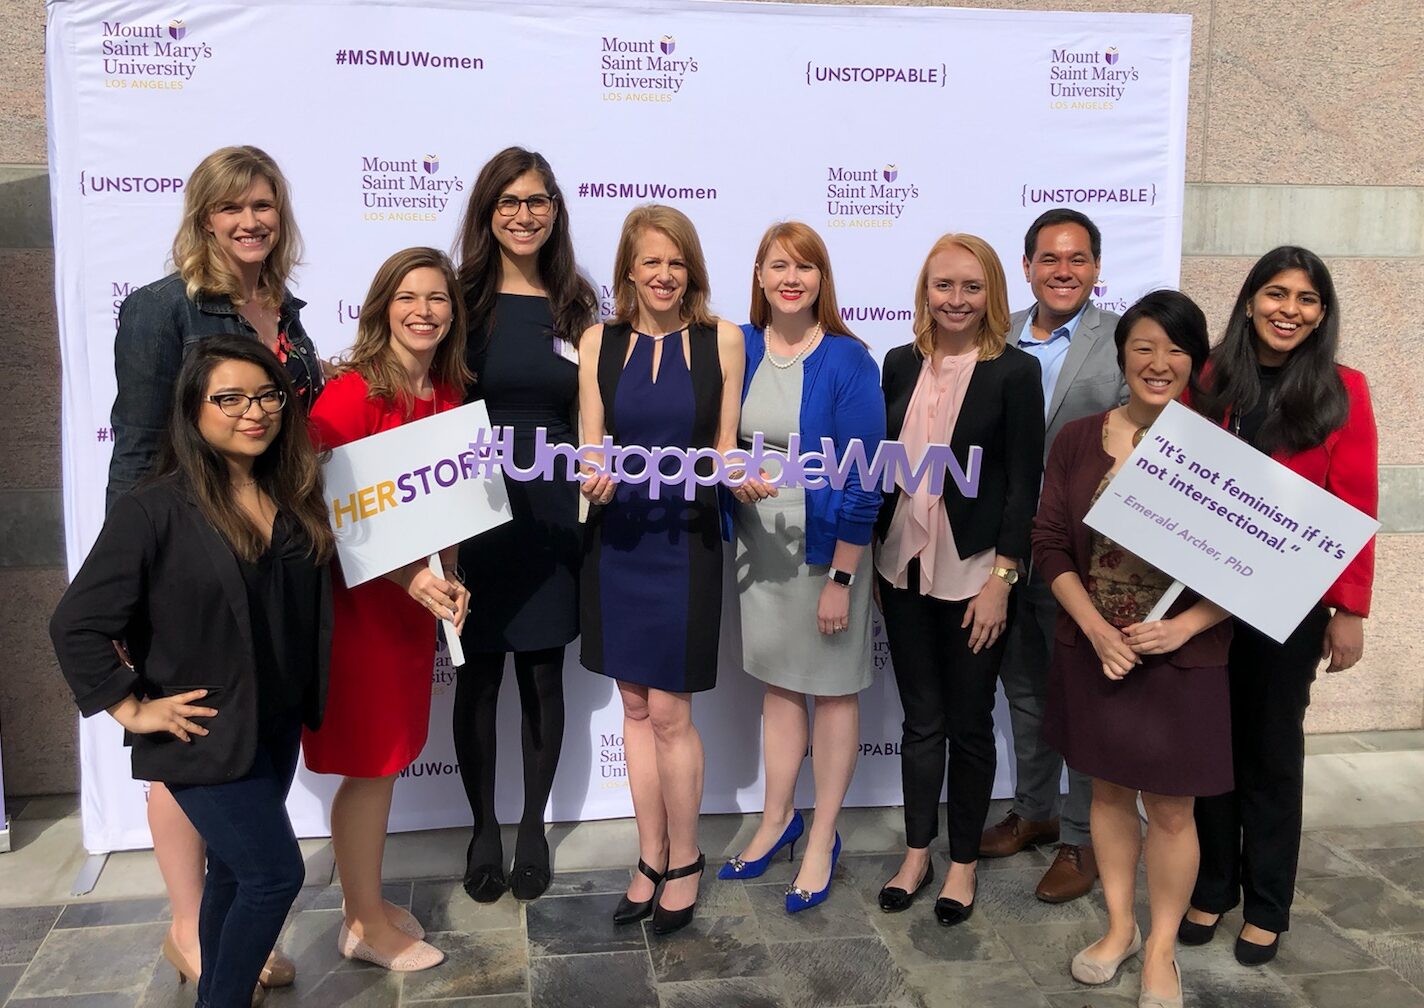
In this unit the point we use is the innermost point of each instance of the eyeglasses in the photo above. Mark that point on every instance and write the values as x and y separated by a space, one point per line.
539 205
235 404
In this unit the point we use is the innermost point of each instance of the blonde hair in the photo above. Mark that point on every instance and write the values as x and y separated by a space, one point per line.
995 327
805 245
678 230
221 177
372 357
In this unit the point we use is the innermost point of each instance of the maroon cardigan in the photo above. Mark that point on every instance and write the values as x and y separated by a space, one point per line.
1062 543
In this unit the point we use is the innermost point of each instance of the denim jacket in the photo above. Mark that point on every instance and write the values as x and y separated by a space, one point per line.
158 325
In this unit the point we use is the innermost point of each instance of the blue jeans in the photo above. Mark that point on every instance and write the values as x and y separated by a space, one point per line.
255 868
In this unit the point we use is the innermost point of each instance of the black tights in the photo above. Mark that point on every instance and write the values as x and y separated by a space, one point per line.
540 675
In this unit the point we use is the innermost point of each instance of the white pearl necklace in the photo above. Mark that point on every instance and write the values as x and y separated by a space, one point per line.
805 348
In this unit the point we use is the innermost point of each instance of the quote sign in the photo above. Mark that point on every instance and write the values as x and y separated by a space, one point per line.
1229 522
406 493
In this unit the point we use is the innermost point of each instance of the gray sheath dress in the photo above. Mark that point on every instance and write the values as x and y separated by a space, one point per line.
779 592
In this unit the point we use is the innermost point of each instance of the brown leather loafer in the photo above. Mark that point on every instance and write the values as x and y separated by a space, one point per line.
1014 834
1072 874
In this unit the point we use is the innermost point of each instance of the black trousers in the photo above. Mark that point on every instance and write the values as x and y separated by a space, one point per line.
1250 837
947 692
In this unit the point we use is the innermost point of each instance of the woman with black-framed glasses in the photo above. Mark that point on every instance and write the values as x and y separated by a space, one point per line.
527 303
215 574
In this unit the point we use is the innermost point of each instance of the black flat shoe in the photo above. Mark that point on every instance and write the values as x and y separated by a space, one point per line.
529 882
1251 954
485 883
668 921
1189 932
893 899
950 912
628 912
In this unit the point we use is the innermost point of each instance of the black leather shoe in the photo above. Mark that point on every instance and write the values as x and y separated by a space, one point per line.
1251 954
950 912
1189 932
893 899
628 912
668 921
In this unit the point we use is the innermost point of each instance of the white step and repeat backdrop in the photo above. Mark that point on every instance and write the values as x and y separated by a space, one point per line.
883 127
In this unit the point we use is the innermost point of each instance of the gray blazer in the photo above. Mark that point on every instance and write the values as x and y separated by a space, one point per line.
1090 380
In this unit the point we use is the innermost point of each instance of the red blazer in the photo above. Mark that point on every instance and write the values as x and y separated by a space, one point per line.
1346 464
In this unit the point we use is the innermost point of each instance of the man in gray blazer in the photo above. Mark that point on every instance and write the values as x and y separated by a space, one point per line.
1073 341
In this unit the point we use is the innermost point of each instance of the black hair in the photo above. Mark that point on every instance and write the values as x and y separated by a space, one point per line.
572 301
1180 318
288 471
1062 215
1310 401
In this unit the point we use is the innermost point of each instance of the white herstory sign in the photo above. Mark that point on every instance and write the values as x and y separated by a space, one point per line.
406 493
1234 525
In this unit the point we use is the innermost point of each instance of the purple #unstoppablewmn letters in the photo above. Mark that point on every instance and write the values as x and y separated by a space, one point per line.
690 468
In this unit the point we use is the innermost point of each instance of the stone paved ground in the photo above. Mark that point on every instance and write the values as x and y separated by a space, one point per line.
1357 940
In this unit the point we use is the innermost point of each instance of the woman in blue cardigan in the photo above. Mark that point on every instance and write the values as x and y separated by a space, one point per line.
803 569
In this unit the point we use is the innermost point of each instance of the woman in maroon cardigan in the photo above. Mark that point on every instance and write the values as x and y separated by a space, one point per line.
1140 706
1274 382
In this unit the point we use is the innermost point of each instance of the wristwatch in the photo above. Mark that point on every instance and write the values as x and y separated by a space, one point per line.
1009 574
840 577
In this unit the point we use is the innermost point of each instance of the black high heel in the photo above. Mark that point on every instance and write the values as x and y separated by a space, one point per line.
628 912
668 921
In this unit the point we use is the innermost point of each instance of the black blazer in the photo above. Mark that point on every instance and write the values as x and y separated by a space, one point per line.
162 579
1002 413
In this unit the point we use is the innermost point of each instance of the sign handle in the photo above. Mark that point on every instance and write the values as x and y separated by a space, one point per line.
1164 603
452 639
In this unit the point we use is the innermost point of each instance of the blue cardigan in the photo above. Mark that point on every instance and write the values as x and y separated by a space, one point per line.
840 399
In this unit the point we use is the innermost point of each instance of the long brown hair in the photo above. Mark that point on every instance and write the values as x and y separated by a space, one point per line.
805 245
679 230
221 177
288 471
995 327
371 355
572 301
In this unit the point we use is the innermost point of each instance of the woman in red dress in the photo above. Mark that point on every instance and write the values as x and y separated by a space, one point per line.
408 363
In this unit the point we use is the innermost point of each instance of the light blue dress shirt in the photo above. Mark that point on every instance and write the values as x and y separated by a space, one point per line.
1050 352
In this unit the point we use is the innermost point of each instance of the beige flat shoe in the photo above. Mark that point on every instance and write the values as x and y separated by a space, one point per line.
1099 971
1146 1000
420 956
401 919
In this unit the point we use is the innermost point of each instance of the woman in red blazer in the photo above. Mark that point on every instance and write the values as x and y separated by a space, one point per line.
1274 382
